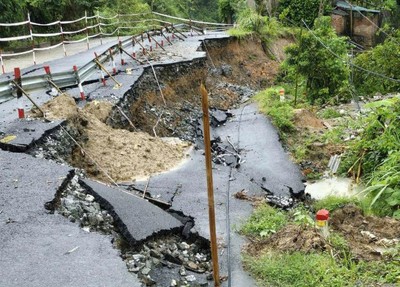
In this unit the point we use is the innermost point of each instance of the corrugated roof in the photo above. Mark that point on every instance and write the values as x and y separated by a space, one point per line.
346 6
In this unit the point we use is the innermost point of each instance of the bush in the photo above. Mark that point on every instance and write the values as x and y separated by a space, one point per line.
319 269
332 202
298 10
376 157
281 113
383 59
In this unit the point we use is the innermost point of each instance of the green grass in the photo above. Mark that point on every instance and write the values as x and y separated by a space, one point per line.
239 33
317 269
330 113
264 221
332 268
333 202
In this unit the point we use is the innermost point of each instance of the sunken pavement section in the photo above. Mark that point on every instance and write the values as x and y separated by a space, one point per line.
42 248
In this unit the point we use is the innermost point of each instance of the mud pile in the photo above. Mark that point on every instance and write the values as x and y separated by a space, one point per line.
109 154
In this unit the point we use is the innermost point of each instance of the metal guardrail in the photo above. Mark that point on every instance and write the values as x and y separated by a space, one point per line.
69 79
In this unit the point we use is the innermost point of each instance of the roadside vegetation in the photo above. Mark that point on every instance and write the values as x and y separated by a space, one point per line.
314 120
286 249
327 101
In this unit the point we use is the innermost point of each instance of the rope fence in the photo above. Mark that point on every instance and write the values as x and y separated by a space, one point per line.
47 36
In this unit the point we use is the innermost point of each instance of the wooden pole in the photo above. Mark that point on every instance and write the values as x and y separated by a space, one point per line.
211 210
107 72
21 90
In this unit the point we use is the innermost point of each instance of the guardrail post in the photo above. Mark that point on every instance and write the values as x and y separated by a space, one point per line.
81 91
133 47
18 80
52 85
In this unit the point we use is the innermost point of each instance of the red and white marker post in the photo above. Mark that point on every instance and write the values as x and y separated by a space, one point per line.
18 80
102 79
114 68
81 91
120 53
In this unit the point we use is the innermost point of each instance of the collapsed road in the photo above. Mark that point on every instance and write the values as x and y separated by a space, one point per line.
62 223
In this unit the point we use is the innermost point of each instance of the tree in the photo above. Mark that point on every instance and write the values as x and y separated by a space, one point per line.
12 11
326 74
295 11
383 59
229 9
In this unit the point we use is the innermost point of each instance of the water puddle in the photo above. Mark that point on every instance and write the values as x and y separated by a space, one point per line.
338 186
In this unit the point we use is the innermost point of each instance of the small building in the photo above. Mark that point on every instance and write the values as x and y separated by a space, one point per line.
359 23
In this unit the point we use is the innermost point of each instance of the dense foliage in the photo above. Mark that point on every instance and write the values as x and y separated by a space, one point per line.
383 59
44 11
294 11
230 9
326 74
376 157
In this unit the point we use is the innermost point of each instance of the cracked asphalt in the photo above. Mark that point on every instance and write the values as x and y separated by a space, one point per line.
263 157
42 249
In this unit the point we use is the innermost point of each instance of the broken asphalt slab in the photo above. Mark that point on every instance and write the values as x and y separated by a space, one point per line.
40 249
264 166
20 135
136 218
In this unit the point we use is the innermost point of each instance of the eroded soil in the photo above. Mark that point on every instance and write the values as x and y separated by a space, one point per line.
109 154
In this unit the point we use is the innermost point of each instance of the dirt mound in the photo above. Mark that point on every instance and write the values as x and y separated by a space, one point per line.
100 110
304 118
116 153
291 238
123 155
297 238
368 237
60 107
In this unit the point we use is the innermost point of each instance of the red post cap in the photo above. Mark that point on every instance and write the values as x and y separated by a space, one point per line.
322 214
47 69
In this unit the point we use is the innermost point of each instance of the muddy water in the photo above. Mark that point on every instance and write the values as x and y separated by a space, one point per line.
338 186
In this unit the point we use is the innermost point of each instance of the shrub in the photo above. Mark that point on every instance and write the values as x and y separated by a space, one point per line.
281 113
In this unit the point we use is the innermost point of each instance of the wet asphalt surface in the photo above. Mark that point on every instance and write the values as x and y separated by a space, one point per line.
42 249
263 156
34 244
27 134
